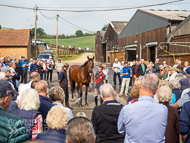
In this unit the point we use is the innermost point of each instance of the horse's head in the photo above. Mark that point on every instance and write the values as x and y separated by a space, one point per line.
90 64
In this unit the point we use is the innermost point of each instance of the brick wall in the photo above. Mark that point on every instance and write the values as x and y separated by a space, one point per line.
16 52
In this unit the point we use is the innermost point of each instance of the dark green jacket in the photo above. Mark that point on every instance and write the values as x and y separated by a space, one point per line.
12 128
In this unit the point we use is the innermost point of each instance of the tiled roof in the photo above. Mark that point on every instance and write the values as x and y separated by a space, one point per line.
14 37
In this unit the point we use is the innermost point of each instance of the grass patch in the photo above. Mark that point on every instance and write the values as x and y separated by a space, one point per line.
83 42
68 57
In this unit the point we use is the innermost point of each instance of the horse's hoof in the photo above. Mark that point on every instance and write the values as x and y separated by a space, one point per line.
79 99
86 104
72 100
80 105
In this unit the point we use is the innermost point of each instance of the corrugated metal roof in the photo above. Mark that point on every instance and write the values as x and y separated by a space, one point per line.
180 25
168 14
118 26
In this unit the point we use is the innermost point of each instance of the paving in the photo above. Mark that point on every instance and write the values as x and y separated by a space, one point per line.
90 98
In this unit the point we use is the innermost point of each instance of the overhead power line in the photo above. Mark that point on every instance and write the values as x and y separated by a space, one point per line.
115 9
46 16
75 25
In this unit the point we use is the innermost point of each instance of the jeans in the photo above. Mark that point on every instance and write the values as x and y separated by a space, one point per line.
49 72
92 85
24 76
44 75
114 78
66 95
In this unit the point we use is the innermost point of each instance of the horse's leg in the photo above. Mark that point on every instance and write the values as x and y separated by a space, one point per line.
80 86
72 83
86 103
78 90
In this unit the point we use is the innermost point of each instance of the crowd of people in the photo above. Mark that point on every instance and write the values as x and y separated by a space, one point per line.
157 110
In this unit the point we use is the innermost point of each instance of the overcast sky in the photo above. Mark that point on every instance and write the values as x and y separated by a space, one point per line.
92 21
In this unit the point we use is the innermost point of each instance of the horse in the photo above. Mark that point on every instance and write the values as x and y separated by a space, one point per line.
81 75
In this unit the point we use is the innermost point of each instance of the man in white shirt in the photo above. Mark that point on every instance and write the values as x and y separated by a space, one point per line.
34 76
116 68
50 64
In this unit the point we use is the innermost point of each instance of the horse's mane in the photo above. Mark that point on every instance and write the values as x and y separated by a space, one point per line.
86 62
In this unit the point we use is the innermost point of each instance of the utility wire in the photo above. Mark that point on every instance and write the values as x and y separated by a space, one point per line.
65 23
125 8
75 25
68 25
46 16
106 6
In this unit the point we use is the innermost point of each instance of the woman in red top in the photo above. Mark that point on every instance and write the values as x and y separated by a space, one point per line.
134 95
44 69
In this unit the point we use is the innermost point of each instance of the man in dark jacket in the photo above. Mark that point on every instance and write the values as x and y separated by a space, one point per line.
105 117
156 66
184 121
12 128
141 69
185 83
34 66
45 104
63 83
150 69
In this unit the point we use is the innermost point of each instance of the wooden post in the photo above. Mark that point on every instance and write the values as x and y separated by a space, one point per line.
57 38
35 27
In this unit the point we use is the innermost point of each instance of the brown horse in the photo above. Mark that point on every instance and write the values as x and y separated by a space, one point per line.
81 75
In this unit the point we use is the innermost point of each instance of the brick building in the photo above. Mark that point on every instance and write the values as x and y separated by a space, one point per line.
15 43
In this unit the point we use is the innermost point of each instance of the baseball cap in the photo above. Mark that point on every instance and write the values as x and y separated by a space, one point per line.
172 69
31 59
4 69
22 56
59 60
43 60
188 70
6 88
165 66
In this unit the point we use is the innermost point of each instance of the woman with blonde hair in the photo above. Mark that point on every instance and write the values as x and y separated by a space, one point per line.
29 104
134 95
186 65
164 95
57 121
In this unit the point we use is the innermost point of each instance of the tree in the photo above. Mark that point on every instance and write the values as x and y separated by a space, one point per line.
79 33
39 32
104 28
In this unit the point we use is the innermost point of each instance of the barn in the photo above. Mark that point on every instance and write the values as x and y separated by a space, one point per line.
178 43
15 43
146 30
108 41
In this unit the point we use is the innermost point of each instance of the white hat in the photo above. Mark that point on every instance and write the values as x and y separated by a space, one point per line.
43 59
31 59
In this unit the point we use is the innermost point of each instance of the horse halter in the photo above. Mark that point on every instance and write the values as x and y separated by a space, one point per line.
90 66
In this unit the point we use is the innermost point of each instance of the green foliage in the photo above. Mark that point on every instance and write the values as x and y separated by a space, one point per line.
40 32
79 33
104 28
83 42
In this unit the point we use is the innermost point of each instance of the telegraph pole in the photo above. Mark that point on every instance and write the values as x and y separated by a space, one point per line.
35 27
57 38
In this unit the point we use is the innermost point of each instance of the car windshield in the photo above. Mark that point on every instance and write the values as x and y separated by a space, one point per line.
43 56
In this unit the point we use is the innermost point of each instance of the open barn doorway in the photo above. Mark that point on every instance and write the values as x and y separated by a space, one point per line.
152 54
104 52
131 55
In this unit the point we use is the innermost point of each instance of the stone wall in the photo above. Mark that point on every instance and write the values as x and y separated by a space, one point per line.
16 52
